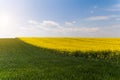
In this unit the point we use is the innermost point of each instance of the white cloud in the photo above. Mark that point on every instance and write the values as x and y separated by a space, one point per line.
98 18
32 22
49 28
80 29
117 19
115 7
116 26
52 26
44 25
70 23
49 23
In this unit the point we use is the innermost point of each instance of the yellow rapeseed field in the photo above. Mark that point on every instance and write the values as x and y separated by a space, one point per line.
75 44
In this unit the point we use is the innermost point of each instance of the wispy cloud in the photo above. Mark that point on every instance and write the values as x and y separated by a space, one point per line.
49 25
99 18
115 7
32 22
96 18
80 29
116 26
53 28
44 25
70 23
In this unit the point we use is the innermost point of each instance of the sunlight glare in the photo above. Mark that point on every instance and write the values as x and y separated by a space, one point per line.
6 25
5 20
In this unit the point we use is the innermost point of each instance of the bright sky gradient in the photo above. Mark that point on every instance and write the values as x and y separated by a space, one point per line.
60 18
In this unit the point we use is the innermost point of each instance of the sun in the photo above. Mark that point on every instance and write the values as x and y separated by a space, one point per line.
6 24
5 20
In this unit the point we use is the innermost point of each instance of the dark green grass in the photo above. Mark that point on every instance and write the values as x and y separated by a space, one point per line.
21 61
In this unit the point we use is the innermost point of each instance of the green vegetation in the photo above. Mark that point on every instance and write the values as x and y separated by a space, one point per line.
22 61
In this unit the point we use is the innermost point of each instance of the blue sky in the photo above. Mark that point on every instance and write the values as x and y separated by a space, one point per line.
60 18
